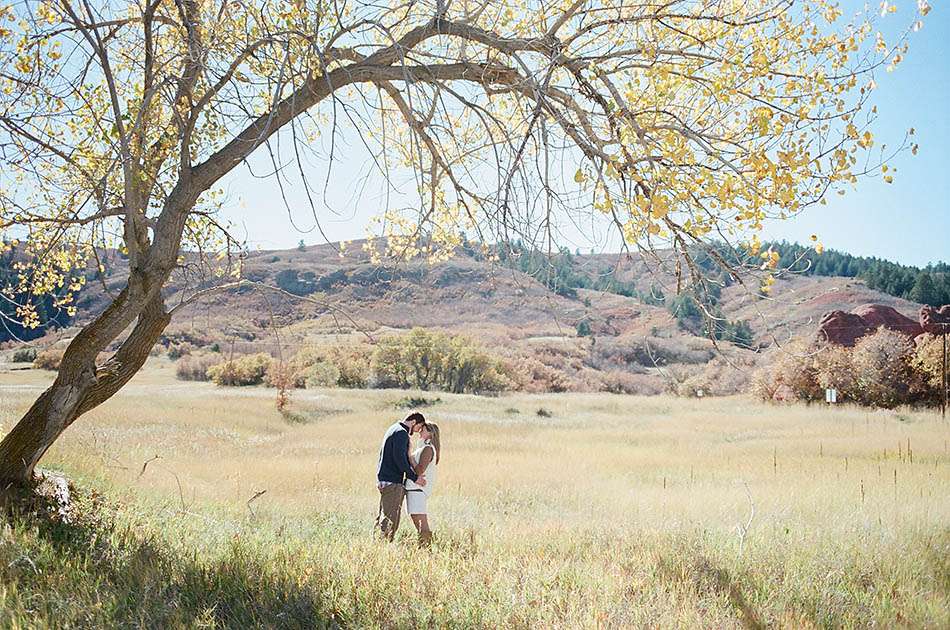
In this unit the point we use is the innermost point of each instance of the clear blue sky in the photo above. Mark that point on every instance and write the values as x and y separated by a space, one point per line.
907 221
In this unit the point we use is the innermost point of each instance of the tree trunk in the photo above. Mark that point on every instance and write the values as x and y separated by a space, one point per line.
79 387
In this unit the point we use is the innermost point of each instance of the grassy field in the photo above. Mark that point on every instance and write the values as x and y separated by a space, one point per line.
614 511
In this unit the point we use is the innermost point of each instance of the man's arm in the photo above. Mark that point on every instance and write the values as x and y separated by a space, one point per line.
400 446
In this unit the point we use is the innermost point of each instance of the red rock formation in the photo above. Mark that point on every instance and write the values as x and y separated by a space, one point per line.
935 320
844 329
877 315
841 328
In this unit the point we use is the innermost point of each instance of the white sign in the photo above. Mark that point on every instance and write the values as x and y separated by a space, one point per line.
831 396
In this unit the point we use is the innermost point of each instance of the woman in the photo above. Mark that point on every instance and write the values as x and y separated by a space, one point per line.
425 461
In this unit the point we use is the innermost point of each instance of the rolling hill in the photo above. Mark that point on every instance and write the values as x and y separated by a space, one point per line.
328 294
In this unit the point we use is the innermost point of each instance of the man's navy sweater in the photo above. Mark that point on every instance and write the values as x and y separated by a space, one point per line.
394 466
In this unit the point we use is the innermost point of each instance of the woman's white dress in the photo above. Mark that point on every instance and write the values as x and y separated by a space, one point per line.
416 495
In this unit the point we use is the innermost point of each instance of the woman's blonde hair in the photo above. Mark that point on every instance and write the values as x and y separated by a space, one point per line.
435 439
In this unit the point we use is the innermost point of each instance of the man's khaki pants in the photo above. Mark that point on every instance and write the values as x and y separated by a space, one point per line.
390 508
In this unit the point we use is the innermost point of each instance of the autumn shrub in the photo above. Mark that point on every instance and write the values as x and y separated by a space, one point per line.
320 375
389 368
425 360
528 374
350 362
354 363
619 382
793 374
48 359
835 370
567 355
249 369
293 370
649 351
280 374
723 376
194 367
885 374
928 362
884 369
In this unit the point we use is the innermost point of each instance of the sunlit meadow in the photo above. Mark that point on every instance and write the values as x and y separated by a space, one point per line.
203 506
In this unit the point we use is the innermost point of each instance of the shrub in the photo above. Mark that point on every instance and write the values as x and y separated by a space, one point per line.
928 362
792 376
246 370
423 359
194 367
885 376
738 332
618 382
628 351
354 363
531 375
719 377
24 355
178 350
883 370
389 369
351 363
835 370
281 375
321 375
49 359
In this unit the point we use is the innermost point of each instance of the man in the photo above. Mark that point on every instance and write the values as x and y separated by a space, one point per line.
393 470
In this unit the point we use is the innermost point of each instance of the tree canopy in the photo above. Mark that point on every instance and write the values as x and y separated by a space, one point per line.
675 120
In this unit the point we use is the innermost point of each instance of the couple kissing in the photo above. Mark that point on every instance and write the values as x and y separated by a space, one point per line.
410 475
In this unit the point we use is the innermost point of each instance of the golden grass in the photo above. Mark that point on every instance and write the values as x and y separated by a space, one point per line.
614 511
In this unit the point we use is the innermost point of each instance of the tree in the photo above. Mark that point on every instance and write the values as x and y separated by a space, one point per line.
118 121
583 328
739 332
924 290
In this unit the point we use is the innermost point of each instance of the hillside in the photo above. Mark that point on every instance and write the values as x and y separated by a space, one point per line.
509 311
618 338
482 297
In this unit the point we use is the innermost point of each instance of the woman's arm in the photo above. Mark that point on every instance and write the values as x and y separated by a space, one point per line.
424 458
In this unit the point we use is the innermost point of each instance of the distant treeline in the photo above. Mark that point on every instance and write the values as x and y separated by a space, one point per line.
930 285
560 271
697 309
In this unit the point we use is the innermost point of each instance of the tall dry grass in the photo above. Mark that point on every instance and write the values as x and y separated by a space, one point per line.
614 511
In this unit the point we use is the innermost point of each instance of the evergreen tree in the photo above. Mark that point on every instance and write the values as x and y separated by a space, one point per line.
583 328
924 290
